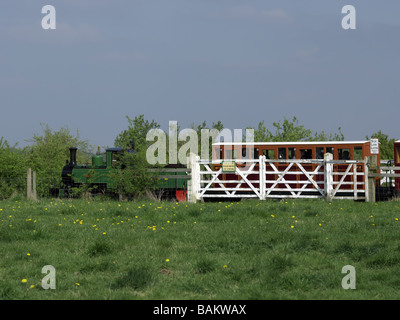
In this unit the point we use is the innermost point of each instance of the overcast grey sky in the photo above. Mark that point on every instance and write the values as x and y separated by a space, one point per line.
240 62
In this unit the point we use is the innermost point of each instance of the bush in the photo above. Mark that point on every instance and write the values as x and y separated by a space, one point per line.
48 153
12 170
134 179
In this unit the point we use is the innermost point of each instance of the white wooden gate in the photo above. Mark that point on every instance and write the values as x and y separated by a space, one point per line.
265 178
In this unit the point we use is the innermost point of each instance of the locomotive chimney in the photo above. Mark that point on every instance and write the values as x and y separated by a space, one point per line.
72 156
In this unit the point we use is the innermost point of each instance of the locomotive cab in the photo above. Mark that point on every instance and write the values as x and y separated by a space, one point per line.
114 156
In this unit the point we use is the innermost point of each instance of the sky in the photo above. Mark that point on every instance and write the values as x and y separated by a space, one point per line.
237 61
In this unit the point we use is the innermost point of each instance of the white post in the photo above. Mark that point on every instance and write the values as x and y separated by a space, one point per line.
261 168
328 176
372 160
194 182
366 171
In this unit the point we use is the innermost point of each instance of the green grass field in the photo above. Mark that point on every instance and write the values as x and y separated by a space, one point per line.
167 250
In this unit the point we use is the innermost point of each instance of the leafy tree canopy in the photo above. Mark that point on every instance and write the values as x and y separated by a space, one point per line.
136 132
50 150
291 130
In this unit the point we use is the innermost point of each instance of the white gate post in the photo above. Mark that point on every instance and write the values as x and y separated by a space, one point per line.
366 171
261 168
328 176
370 195
194 182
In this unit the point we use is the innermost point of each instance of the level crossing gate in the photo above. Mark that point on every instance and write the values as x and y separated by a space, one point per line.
277 178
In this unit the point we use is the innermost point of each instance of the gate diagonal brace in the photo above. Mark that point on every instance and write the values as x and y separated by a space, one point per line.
213 180
244 177
242 174
310 178
281 174
341 180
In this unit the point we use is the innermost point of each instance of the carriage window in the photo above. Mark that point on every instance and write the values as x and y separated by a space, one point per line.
292 153
220 153
256 153
249 152
269 154
358 153
329 149
397 155
320 152
282 153
344 154
306 153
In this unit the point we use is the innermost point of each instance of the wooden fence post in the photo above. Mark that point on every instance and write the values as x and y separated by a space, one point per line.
371 167
34 194
328 176
29 184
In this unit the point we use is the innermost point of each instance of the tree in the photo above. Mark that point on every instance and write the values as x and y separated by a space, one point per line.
49 151
12 170
322 136
136 133
261 133
204 143
291 130
386 144
135 179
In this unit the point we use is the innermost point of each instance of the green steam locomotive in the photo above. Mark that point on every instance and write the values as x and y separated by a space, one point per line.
100 176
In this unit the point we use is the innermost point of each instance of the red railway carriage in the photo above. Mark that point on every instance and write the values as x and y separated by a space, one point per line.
397 164
341 150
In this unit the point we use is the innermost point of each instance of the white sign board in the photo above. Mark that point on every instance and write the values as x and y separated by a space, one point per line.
374 146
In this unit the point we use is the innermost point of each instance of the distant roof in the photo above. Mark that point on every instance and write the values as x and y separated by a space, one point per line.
290 143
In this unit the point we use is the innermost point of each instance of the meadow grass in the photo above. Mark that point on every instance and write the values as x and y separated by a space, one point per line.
290 249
